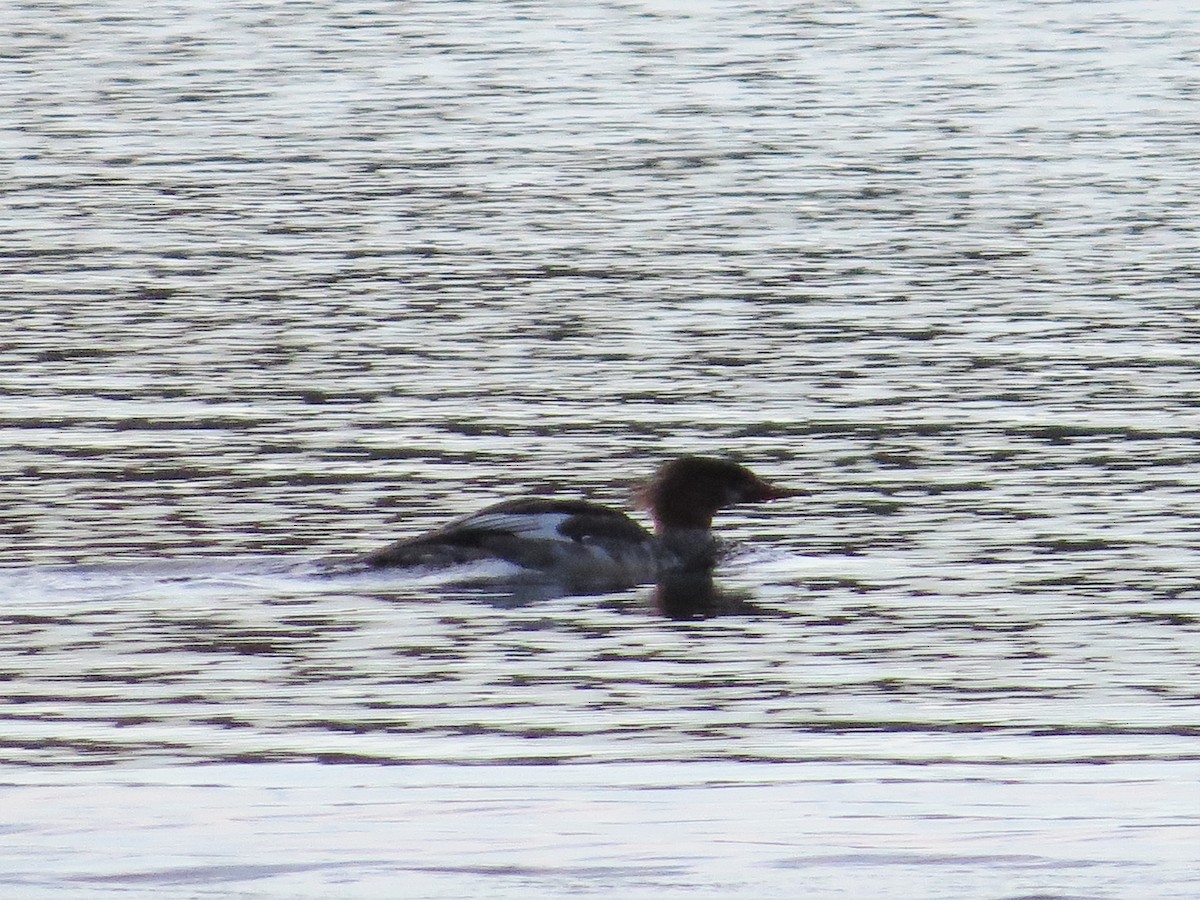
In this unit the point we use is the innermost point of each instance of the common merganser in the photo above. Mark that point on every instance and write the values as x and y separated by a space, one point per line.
579 542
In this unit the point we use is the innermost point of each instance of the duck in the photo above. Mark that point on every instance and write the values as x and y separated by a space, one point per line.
585 544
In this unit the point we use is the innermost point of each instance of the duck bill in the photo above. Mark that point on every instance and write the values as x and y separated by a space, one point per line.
764 490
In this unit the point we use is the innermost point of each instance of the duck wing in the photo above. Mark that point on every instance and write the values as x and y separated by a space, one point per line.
531 532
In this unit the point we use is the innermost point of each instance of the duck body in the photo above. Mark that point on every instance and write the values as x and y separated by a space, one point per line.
574 539
581 542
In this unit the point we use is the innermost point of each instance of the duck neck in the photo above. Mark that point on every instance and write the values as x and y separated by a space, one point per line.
691 549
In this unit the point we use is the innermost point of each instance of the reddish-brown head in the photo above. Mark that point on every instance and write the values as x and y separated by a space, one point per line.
687 492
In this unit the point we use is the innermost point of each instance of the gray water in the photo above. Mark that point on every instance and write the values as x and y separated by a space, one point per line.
283 282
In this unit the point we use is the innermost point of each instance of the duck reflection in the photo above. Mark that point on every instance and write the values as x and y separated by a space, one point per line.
681 597
697 596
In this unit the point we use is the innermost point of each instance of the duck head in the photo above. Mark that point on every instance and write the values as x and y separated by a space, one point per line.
687 492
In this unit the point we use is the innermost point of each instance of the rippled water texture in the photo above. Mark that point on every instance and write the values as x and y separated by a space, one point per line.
283 282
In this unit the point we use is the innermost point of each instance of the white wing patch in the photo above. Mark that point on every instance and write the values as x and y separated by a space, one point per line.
540 526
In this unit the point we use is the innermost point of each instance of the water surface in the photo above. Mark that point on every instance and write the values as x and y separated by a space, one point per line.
284 282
